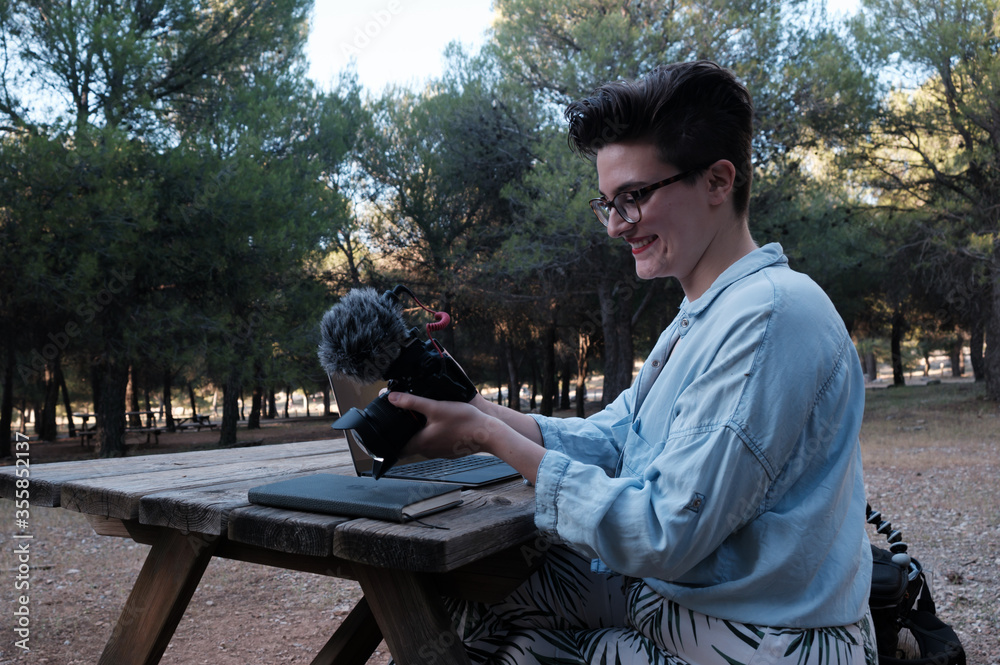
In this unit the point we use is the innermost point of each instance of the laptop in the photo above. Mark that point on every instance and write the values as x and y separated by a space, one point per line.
469 471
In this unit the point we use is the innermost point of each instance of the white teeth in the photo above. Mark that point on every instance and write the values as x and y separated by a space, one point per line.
641 243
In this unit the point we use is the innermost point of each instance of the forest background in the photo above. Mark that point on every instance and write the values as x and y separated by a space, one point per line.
179 202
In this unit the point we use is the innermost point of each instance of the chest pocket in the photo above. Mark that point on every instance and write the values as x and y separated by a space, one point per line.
637 453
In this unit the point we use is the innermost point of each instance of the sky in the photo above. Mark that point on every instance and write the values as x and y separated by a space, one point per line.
392 41
403 41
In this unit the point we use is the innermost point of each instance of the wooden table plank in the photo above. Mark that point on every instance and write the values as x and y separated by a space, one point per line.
283 530
119 496
47 479
489 520
207 510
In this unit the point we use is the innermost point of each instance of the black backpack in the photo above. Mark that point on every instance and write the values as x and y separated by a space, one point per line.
907 628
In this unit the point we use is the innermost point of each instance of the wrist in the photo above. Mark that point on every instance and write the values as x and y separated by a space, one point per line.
483 404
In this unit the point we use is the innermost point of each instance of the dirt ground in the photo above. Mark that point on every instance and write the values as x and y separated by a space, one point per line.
939 488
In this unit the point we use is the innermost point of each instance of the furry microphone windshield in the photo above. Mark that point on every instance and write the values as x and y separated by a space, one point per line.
362 335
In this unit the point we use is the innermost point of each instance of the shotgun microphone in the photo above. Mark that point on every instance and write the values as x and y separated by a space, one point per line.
364 337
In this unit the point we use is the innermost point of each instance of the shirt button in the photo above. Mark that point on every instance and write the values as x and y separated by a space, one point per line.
684 323
656 363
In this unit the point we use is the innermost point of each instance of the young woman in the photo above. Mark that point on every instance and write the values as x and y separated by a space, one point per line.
714 512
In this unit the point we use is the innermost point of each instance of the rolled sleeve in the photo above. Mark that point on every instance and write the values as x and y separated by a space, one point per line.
551 471
663 523
591 440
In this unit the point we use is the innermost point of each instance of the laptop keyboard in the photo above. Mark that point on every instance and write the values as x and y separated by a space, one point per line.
438 468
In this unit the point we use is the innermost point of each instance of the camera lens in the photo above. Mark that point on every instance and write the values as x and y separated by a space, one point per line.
381 429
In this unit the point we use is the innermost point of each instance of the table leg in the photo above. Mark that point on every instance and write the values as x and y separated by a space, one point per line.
167 581
355 639
412 617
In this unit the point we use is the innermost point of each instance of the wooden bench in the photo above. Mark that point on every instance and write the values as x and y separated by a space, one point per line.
152 433
196 422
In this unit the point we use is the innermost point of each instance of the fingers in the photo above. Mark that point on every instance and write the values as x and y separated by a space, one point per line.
410 402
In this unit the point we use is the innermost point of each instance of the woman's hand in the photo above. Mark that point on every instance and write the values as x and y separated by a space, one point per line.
456 429
453 429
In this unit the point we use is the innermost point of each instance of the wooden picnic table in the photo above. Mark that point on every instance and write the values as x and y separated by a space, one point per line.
193 506
151 417
196 421
87 432
150 428
84 417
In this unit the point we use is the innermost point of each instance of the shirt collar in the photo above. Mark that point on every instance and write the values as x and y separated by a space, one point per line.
763 257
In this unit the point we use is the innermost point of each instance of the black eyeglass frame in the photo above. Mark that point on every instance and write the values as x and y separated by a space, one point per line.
602 207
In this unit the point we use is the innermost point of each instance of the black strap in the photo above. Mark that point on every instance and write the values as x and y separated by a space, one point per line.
936 640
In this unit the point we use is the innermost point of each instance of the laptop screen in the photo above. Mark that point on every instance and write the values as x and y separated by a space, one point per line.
350 394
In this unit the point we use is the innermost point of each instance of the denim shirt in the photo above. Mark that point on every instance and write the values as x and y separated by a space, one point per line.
728 476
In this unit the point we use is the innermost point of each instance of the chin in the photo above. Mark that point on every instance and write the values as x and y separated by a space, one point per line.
650 270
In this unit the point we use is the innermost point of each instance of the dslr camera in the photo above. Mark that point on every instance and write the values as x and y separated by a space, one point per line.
364 336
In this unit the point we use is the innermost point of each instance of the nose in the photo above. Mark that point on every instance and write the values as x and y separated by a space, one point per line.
617 226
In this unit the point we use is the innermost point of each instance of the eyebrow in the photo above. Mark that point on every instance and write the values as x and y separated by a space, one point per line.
629 186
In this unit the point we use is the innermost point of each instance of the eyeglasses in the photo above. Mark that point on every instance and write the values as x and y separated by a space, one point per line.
627 203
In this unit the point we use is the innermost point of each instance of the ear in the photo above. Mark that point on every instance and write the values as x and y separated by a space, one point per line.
721 179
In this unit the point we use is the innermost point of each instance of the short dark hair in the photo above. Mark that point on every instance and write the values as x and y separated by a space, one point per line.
696 113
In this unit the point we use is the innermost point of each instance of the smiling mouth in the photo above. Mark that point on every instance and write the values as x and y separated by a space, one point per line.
641 243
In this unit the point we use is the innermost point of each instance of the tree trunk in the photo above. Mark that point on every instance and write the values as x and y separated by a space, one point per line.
272 404
532 401
871 366
46 425
194 404
132 399
168 405
976 336
288 399
96 379
111 410
499 379
991 359
513 382
67 402
326 401
24 416
616 325
150 418
896 346
957 369
255 407
230 409
567 375
7 405
582 351
549 382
